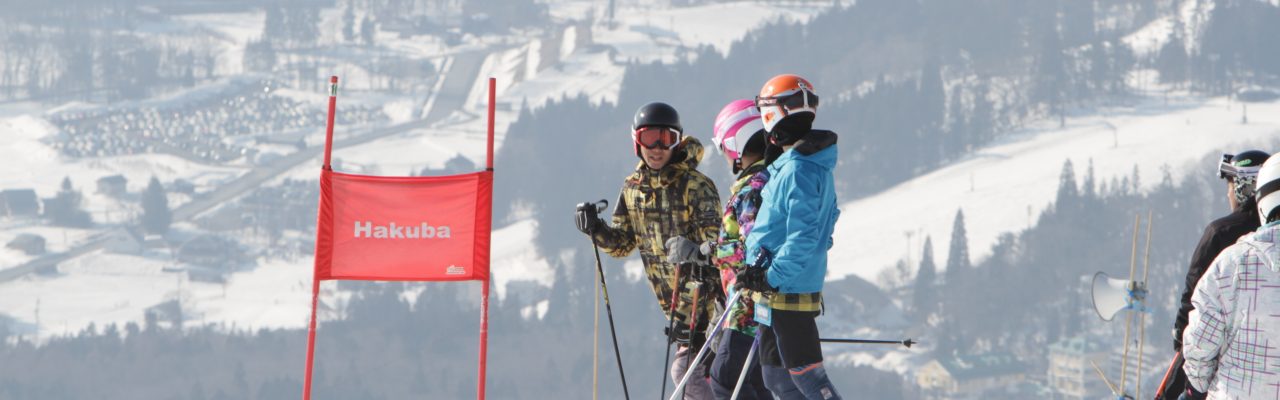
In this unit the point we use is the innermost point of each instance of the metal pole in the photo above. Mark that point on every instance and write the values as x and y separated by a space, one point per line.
1133 265
908 343
671 327
746 366
595 340
703 351
612 331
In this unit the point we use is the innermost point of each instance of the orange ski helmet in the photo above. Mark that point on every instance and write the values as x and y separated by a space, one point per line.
785 95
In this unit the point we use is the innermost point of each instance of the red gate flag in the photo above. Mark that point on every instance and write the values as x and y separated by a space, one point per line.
433 228
386 228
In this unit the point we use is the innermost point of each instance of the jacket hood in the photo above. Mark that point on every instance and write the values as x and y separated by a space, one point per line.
686 157
1265 241
818 147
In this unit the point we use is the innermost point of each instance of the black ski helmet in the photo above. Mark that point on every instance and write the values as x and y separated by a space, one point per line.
1242 168
654 114
657 114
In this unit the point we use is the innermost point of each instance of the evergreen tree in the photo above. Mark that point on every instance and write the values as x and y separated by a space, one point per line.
273 26
64 209
982 121
367 29
958 257
156 215
1090 189
924 295
349 23
1051 75
1067 190
1172 61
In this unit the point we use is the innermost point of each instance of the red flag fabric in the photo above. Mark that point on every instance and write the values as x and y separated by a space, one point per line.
433 228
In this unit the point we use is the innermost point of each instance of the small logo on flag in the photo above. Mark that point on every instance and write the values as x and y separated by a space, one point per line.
455 270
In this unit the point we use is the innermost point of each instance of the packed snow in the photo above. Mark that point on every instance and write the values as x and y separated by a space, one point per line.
1003 187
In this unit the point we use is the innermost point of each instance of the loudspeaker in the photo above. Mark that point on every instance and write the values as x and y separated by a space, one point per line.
1111 295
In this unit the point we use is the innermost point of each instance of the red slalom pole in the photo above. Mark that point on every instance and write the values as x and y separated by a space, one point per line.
484 292
315 283
311 339
328 131
484 336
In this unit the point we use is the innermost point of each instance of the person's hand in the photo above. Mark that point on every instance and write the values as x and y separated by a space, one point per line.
587 218
684 251
754 279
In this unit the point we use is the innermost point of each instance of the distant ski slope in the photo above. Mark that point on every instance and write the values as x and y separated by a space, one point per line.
1002 187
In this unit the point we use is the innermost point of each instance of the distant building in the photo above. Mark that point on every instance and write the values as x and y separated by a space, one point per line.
113 186
1071 373
16 203
969 376
182 186
29 244
211 251
124 241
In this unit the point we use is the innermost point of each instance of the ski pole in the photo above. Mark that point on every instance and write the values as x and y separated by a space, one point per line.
1169 374
746 367
671 327
693 323
609 310
703 351
906 343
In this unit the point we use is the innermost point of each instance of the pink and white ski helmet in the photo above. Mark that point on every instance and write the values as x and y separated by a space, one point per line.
737 122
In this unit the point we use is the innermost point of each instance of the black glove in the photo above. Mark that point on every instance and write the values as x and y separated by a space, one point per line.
754 279
587 218
684 251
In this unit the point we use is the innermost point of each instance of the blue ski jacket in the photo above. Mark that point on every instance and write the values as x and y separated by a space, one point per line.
798 215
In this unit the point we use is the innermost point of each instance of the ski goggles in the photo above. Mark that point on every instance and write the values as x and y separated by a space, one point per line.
798 101
652 137
1227 169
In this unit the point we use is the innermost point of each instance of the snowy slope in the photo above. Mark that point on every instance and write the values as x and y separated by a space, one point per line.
1002 187
104 288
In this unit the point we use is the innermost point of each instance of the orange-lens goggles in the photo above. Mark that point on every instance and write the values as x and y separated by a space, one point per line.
652 137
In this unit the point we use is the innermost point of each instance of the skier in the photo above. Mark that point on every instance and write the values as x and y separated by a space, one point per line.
739 134
1236 316
666 210
794 228
1240 171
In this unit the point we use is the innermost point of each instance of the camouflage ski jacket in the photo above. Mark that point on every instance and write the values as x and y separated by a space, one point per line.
655 205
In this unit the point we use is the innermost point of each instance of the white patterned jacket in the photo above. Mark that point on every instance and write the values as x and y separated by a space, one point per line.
1232 342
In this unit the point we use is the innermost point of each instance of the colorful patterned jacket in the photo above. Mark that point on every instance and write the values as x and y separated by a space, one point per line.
730 250
676 200
1229 343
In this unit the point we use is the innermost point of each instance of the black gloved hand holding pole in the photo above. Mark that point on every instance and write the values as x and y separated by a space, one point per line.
587 216
756 277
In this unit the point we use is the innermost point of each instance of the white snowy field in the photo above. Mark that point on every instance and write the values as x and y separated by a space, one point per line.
31 163
644 33
104 288
1002 187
